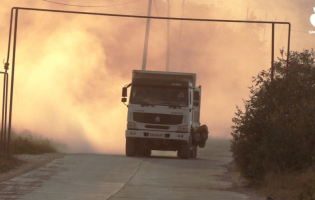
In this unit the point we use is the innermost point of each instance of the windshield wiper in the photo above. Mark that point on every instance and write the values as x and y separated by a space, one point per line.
171 105
174 106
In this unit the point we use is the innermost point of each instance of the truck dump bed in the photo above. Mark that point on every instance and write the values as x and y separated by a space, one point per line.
160 75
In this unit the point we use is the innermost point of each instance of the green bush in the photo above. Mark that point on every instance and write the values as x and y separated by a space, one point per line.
276 132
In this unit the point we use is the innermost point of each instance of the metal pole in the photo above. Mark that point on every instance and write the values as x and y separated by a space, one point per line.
288 54
6 66
12 79
168 38
151 17
180 36
5 91
272 50
147 32
265 26
3 116
6 102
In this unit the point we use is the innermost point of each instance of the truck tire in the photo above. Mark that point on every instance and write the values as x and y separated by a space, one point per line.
130 147
193 152
184 150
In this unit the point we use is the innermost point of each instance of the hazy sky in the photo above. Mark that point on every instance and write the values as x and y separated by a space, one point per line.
70 69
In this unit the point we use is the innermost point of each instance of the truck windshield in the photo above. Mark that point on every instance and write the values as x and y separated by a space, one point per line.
159 95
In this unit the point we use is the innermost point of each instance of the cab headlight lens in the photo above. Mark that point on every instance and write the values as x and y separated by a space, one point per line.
182 128
132 125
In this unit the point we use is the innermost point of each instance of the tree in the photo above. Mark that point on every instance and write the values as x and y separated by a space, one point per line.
276 132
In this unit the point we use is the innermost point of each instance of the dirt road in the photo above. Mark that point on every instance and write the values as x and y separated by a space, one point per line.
162 176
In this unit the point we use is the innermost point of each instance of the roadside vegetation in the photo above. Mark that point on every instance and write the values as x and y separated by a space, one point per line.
24 144
28 144
273 142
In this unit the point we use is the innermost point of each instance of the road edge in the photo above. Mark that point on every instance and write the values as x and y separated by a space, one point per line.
30 163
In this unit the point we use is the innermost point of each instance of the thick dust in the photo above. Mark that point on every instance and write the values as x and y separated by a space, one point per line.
70 68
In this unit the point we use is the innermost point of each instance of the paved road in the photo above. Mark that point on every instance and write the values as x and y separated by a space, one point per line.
92 176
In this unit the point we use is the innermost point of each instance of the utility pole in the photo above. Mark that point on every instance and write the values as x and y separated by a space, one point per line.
180 35
147 32
265 25
168 37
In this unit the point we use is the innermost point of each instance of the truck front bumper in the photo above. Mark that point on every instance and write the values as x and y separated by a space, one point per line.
157 135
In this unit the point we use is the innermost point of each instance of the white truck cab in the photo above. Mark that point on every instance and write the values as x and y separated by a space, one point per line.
164 114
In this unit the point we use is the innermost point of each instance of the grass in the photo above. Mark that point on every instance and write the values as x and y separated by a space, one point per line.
25 144
285 185
28 144
290 185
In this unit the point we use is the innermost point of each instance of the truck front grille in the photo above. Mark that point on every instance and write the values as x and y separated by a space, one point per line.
153 118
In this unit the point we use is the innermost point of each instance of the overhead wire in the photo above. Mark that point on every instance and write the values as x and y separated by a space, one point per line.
110 5
74 5
292 30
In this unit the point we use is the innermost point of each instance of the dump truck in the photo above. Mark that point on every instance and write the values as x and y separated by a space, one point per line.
163 114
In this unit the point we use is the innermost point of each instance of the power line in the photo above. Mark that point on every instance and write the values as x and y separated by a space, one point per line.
65 4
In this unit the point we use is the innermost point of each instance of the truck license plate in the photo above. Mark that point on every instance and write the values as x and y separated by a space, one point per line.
156 135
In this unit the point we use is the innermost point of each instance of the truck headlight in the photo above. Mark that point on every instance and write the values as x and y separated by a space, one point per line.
182 128
132 125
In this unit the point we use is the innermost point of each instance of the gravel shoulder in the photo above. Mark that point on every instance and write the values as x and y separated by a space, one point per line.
31 162
239 184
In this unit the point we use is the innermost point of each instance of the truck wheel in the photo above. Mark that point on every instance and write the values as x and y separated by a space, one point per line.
184 150
130 147
193 152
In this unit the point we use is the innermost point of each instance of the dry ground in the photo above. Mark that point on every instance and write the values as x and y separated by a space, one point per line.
24 163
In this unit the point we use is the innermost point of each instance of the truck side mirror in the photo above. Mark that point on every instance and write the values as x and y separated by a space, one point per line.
196 98
124 92
124 99
196 95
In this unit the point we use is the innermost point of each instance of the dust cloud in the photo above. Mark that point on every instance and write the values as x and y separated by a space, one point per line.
70 68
